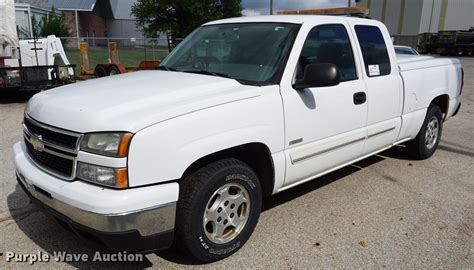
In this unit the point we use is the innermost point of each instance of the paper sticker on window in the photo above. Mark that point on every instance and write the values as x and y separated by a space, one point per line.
374 70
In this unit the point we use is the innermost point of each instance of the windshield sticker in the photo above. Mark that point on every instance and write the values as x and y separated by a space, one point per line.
374 70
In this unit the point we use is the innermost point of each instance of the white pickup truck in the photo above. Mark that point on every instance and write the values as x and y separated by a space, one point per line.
243 108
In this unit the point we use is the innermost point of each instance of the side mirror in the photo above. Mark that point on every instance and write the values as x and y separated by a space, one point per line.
318 75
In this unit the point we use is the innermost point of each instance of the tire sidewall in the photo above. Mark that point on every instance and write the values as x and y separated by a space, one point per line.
114 70
432 111
100 72
242 176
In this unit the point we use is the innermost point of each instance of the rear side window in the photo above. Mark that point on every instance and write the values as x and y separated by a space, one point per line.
374 50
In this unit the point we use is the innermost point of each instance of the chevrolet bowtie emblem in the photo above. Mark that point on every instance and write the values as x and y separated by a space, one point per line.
37 143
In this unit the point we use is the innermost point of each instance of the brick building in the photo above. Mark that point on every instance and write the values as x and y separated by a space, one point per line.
93 19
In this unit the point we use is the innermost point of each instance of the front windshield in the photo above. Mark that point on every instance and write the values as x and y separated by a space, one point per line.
248 52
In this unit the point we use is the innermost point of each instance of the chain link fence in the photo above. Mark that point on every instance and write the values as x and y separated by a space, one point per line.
123 42
131 51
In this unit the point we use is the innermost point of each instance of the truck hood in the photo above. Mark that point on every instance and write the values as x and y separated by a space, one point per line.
133 101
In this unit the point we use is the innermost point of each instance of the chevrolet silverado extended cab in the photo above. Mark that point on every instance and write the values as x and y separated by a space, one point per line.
243 108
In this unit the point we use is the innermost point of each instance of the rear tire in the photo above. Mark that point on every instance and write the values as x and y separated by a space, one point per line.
426 142
218 209
100 71
469 52
113 70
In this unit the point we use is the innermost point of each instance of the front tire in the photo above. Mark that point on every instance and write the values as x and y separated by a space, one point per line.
218 209
426 142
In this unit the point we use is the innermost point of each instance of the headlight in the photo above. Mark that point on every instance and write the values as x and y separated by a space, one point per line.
107 144
112 177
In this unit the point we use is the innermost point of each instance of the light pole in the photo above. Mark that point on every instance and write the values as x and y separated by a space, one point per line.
271 7
349 3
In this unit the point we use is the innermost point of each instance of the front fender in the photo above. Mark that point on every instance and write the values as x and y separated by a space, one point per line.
163 152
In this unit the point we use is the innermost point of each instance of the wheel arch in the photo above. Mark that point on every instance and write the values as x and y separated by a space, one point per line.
442 101
257 155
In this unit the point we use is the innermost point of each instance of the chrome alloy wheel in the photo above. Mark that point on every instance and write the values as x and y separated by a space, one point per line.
226 213
432 133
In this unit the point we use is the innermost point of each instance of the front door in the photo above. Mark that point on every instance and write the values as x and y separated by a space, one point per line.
326 126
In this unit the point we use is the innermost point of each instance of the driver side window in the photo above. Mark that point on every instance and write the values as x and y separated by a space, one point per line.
328 44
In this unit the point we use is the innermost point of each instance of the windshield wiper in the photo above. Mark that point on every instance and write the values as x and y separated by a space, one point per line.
207 72
165 68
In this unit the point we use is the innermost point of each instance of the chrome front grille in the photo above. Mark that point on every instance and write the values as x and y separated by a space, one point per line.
52 135
51 149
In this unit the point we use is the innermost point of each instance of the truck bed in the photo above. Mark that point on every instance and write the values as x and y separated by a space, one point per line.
411 62
421 85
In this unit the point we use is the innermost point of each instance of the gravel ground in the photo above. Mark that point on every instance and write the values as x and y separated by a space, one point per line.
385 211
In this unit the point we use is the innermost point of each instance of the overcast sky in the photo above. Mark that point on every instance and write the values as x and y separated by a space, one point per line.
259 7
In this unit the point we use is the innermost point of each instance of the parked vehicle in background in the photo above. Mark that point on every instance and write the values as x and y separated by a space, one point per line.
113 67
456 43
405 50
35 64
41 64
187 153
427 43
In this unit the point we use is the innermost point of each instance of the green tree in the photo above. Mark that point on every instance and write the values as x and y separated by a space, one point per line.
181 17
230 8
53 24
35 26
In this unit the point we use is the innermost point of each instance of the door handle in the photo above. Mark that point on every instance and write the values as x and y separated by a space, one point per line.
360 98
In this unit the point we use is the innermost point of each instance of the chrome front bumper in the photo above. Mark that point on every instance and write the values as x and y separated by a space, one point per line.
135 219
146 221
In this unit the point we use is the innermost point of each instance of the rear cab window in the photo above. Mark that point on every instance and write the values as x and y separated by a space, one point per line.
374 50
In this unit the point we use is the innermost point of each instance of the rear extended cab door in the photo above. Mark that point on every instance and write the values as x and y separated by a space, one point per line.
383 83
